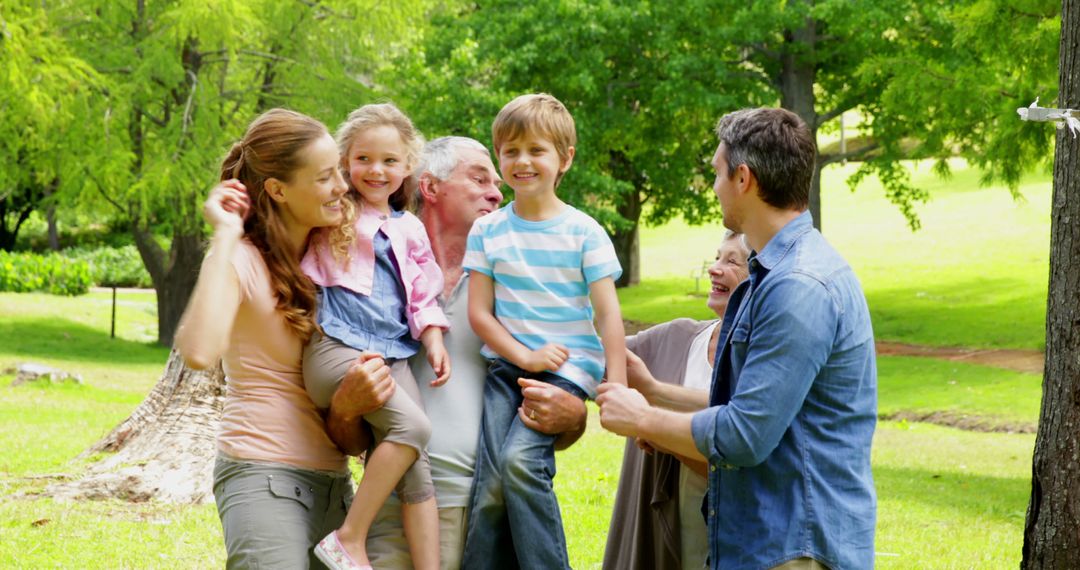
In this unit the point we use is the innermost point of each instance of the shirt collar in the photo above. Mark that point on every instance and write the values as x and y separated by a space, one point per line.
781 243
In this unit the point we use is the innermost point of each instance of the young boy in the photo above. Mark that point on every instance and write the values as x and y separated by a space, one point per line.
534 266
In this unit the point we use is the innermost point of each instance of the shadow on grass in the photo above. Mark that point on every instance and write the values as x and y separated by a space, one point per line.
979 313
68 340
1001 499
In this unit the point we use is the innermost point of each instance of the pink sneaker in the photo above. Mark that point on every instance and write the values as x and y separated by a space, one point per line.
333 554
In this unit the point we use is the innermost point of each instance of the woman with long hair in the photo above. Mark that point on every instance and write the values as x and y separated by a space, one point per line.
280 483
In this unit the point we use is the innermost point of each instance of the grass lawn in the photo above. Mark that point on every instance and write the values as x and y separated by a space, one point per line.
975 275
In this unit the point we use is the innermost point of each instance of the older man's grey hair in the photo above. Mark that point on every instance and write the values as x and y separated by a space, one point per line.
440 157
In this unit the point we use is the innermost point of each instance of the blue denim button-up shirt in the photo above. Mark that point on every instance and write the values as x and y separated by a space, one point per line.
789 454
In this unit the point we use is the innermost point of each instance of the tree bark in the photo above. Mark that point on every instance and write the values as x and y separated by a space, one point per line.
626 242
165 450
1052 529
798 72
174 279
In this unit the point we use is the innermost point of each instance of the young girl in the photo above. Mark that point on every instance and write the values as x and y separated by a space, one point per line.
379 288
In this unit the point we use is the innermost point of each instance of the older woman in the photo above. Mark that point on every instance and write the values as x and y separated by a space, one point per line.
657 521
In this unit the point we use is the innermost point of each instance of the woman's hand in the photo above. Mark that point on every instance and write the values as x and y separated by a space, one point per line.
227 206
638 376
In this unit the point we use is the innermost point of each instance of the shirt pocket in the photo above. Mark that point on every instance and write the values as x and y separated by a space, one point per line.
284 487
740 342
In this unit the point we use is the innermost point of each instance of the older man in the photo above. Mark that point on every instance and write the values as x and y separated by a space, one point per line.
458 183
794 395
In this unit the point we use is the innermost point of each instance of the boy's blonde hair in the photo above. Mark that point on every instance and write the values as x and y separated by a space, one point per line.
539 113
364 118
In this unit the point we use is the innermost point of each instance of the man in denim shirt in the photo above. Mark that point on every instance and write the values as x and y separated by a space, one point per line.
794 396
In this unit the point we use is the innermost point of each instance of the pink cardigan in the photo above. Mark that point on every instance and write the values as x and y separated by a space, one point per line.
409 244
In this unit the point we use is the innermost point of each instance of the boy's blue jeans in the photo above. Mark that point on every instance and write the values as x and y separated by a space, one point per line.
514 520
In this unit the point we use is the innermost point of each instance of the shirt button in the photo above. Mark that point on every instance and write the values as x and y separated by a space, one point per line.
712 513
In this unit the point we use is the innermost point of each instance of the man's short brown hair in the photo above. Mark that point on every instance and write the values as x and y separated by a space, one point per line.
538 113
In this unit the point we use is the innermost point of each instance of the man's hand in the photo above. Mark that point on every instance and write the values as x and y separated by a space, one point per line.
549 409
367 385
621 408
546 358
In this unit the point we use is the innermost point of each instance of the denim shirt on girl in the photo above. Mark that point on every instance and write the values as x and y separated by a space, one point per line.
375 322
794 407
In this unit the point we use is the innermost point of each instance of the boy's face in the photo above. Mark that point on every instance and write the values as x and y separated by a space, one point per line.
530 164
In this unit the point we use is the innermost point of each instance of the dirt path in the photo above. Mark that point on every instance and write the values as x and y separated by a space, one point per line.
1030 361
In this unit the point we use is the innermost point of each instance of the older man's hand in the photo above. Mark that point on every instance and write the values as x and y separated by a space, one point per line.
621 408
366 387
551 410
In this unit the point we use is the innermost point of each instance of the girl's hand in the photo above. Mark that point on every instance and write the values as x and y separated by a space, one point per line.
439 360
227 206
546 358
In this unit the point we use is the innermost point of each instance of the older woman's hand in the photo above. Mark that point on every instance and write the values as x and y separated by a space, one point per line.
638 376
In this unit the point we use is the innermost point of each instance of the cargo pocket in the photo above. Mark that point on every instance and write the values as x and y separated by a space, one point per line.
284 487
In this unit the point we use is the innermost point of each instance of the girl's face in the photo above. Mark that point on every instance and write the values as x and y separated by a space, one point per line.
378 164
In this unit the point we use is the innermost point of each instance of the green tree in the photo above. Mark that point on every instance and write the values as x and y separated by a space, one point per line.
45 91
182 80
644 81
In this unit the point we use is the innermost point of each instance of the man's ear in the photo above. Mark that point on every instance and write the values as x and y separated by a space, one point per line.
275 189
426 185
744 178
569 160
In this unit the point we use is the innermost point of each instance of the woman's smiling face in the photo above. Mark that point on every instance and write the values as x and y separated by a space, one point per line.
727 272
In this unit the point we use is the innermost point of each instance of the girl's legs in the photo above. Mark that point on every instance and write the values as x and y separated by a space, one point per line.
382 471
401 430
421 524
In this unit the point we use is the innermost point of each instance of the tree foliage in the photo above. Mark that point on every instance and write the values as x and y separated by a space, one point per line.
643 80
175 82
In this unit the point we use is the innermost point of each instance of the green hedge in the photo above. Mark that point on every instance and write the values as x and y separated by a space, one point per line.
113 266
52 273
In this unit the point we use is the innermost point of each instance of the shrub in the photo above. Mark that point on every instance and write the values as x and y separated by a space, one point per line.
52 273
113 266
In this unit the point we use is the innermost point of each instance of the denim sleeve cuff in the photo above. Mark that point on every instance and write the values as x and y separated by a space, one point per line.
703 428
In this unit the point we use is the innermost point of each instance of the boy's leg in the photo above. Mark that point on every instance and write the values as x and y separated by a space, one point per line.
527 471
488 543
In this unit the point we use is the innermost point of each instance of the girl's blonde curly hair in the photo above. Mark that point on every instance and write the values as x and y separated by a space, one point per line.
360 120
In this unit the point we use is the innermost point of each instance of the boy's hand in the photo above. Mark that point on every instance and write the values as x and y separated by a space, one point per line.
546 358
439 360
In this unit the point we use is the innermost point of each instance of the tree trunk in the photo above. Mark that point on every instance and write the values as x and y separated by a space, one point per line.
1052 530
798 72
173 280
627 245
165 450
50 218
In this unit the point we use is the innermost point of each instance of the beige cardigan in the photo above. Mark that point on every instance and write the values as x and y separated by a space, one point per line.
644 531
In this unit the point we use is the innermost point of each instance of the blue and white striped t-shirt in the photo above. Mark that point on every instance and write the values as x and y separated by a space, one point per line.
542 271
